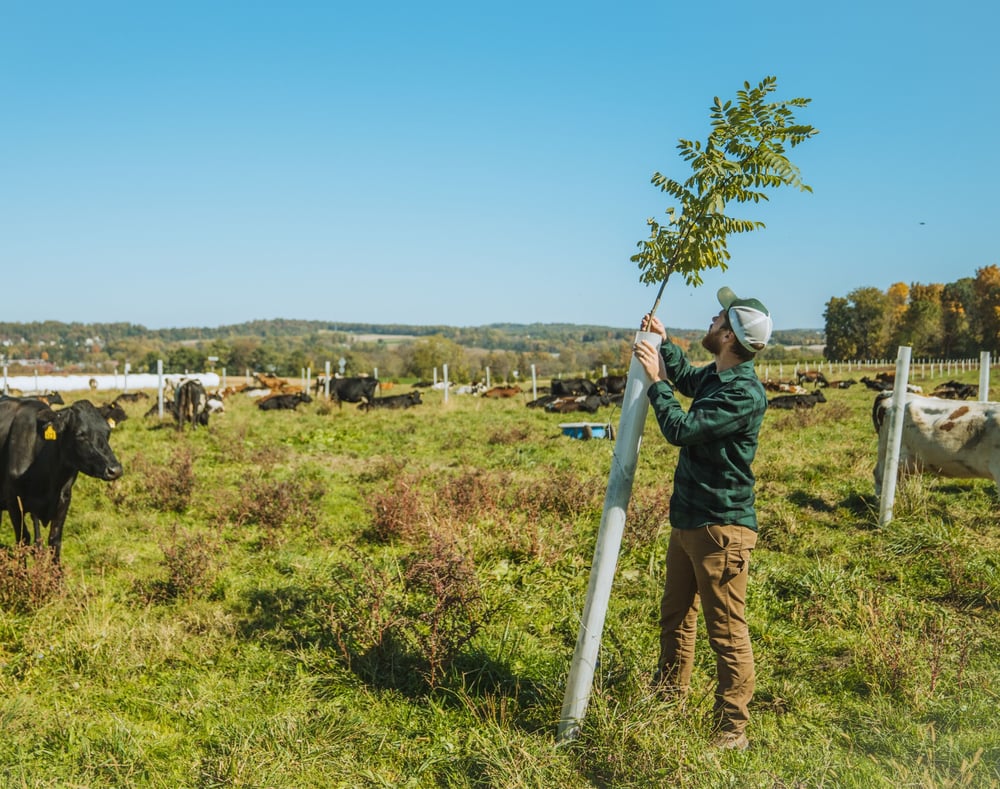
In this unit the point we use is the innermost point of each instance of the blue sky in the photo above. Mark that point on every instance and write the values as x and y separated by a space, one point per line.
199 164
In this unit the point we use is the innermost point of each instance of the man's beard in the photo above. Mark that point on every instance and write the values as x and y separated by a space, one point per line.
712 342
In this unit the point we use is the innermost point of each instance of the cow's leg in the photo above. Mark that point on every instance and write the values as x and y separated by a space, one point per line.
56 527
994 467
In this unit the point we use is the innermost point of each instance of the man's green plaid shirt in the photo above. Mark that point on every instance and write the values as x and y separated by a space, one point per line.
713 482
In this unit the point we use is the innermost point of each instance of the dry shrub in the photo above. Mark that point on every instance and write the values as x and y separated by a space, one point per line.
275 505
189 561
392 628
384 468
398 513
469 496
560 494
648 513
510 435
163 487
446 604
365 618
29 578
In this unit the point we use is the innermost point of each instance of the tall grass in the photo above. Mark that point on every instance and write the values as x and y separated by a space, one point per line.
332 598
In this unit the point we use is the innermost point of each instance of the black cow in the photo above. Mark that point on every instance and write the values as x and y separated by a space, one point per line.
131 397
353 390
812 377
285 402
190 404
41 453
168 408
113 412
612 384
877 385
955 390
542 401
797 400
407 400
572 387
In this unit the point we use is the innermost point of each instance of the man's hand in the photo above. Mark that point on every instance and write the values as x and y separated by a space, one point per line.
653 325
650 360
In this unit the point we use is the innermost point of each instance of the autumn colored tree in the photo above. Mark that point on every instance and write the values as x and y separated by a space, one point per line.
957 304
986 319
920 326
896 301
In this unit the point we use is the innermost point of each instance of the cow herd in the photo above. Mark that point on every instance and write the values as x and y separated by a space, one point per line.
43 448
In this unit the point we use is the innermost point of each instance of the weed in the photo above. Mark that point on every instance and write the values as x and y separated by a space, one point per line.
398 513
189 560
509 435
275 505
29 578
648 514
466 496
365 618
559 494
165 487
446 605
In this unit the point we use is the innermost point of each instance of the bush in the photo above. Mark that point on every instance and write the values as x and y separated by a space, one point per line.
29 578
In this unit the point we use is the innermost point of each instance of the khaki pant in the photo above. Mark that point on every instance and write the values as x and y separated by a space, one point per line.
709 564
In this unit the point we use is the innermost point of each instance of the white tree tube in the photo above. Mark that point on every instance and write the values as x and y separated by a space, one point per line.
635 405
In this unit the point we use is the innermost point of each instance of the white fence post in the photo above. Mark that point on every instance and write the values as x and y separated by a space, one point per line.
897 412
984 376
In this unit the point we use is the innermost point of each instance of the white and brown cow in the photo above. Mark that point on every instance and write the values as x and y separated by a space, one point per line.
960 440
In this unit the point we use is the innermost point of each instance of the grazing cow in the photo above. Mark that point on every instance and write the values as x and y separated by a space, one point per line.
612 384
797 400
286 402
959 440
353 390
845 384
498 392
572 387
190 404
587 403
407 400
41 453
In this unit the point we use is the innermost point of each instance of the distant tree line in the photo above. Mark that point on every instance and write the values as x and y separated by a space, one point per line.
953 321
286 347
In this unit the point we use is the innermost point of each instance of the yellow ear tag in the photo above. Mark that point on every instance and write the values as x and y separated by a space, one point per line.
50 433
111 423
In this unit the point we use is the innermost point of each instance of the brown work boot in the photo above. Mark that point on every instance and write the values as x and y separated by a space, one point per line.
730 741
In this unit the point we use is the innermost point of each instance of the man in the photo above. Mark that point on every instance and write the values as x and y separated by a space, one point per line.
712 516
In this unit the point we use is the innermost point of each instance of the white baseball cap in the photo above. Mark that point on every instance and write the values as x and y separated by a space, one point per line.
749 318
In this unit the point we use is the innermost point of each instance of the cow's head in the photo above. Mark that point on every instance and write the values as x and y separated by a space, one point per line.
83 433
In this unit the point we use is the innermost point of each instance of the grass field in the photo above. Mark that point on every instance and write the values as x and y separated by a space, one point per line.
332 598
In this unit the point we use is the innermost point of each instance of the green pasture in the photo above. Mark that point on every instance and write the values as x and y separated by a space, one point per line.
333 598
